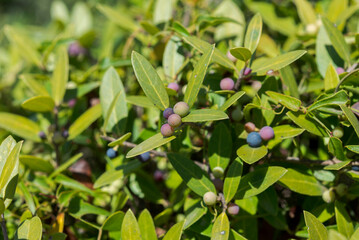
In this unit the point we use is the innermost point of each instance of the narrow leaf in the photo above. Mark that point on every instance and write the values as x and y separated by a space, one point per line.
205 115
331 79
220 230
289 102
308 123
220 147
232 180
147 227
253 33
351 117
344 223
130 229
175 232
60 76
338 98
39 104
316 229
232 100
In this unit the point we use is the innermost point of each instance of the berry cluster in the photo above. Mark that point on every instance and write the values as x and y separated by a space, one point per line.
254 139
210 199
174 118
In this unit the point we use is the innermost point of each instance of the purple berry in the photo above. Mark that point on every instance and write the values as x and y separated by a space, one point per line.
71 103
167 112
231 57
181 108
249 127
174 120
94 101
226 84
42 135
247 71
254 139
233 209
340 70
355 106
266 133
65 134
158 176
75 49
166 130
111 153
173 86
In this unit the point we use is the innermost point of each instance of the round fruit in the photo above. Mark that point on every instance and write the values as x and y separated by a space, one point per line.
111 153
166 130
254 139
181 108
75 49
173 86
249 127
167 112
158 176
218 172
341 189
328 196
256 85
231 57
237 114
210 198
65 134
144 157
311 28
71 103
174 120
42 135
218 183
233 209
226 84
266 133
338 132
355 168
247 71
340 70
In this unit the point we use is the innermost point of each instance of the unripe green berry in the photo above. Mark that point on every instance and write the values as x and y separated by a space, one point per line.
210 198
328 196
218 172
237 115
181 108
338 132
341 189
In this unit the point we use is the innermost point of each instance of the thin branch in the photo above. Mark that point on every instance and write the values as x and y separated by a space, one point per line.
3 227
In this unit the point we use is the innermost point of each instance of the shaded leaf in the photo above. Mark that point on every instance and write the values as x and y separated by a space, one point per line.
36 163
114 222
220 147
351 117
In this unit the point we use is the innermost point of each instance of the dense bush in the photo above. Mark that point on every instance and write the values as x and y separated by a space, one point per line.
194 119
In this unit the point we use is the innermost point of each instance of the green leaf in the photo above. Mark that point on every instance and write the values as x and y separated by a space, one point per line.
338 98
306 12
308 123
334 235
220 230
79 207
73 184
202 46
23 46
175 232
290 85
141 101
289 102
353 148
34 85
351 117
337 166
60 76
331 79
258 181
20 126
337 40
149 80
205 115
195 215
335 147
120 140
276 63
344 223
30 229
163 10
112 99
253 34
149 27
39 104
241 53
316 229
147 227
172 57
28 198
355 235
118 17
179 28
114 222
251 155
149 144
66 165
36 163
84 121
197 77
220 147
283 132
233 235
232 180
196 179
232 100
301 182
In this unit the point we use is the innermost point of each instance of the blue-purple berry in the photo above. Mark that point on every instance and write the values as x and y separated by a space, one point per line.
167 112
144 157
65 134
254 139
111 153
266 133
42 135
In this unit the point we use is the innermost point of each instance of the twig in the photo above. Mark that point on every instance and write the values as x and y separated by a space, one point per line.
240 77
56 146
3 227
